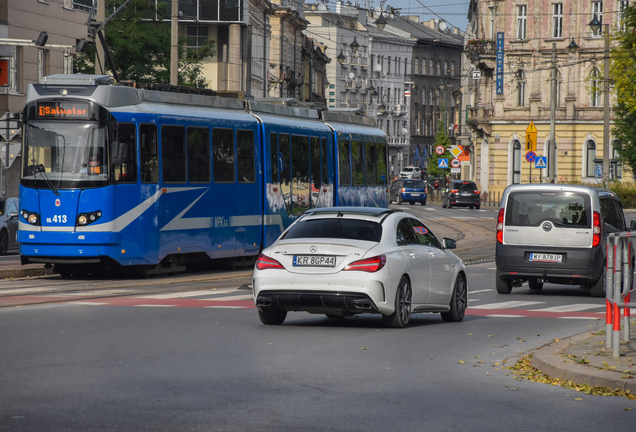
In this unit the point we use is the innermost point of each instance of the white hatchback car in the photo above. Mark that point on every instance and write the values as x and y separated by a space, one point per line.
343 261
411 172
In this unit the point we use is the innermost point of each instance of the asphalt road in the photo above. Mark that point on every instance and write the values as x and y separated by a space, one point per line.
188 353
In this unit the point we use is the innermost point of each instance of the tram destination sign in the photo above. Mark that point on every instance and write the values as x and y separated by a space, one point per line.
63 109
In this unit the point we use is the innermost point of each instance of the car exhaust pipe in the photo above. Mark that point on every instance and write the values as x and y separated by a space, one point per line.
363 304
263 302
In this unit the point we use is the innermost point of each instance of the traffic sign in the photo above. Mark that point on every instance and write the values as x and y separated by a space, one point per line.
440 150
531 137
456 163
540 162
457 150
442 163
531 156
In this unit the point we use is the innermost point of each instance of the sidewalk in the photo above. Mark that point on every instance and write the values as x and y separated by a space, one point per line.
583 359
13 269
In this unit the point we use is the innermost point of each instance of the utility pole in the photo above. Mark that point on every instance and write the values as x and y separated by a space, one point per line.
606 107
552 144
174 43
100 64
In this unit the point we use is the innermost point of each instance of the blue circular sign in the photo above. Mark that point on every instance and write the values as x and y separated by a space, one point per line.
531 156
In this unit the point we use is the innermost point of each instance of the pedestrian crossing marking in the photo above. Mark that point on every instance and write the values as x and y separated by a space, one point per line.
507 305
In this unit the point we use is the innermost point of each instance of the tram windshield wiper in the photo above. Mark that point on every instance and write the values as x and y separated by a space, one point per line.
39 169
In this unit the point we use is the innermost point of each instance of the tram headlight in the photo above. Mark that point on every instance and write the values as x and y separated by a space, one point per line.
84 219
31 217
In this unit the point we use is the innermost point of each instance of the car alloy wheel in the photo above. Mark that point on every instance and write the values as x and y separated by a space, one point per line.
459 301
402 314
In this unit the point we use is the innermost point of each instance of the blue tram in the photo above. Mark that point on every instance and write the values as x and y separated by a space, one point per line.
119 177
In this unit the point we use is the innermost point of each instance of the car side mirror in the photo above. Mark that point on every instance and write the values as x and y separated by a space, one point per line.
632 225
449 243
13 215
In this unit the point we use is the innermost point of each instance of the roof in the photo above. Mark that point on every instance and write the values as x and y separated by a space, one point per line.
421 32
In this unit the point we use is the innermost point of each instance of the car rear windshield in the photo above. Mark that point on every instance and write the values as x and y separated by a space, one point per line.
465 186
407 169
414 184
351 229
564 209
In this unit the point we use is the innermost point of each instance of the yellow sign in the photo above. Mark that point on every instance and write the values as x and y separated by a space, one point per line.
531 137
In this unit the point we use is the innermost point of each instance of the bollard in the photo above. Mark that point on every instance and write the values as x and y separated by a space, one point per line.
616 313
626 285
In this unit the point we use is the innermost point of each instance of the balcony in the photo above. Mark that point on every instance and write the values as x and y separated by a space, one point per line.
479 114
479 47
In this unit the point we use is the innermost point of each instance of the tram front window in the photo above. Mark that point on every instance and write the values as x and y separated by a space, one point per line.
66 153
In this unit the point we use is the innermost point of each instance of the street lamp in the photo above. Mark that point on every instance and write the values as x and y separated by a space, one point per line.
380 23
341 57
572 47
595 26
354 45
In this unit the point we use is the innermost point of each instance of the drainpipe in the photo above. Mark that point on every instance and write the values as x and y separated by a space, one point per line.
282 50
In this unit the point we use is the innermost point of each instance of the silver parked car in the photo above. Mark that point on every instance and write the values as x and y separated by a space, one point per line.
343 261
9 225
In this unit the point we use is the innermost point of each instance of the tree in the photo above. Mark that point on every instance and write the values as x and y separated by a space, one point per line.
623 74
139 43
441 138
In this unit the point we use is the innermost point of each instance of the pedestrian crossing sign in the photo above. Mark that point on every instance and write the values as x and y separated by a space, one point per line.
442 163
540 162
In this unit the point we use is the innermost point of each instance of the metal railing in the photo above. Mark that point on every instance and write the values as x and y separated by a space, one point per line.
619 275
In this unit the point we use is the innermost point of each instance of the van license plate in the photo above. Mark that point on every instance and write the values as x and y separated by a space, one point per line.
542 257
314 261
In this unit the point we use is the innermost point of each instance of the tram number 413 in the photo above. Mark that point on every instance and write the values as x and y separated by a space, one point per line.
57 219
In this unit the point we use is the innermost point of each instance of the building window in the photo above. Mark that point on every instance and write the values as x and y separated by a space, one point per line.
416 65
424 70
43 64
595 89
431 66
445 67
622 6
424 96
597 10
438 66
590 155
557 20
452 68
388 66
522 19
516 162
197 36
491 10
430 96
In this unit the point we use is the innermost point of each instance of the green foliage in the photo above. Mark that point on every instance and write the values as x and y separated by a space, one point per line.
623 74
139 43
441 138
626 191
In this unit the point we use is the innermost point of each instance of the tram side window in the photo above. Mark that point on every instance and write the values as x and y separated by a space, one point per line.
245 156
148 150
381 169
223 155
285 169
127 171
173 154
300 174
315 167
325 163
357 162
198 155
345 169
273 146
371 161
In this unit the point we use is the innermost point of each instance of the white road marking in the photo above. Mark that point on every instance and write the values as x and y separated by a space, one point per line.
188 294
224 307
505 316
153 305
590 318
87 303
506 305
578 307
479 291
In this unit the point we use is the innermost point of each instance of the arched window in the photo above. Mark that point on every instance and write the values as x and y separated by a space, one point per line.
590 155
595 89
516 162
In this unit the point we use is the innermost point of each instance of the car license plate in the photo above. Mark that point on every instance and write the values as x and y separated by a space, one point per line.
542 257
415 194
466 194
314 261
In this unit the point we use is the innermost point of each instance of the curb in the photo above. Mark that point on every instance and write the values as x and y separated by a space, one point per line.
548 359
12 273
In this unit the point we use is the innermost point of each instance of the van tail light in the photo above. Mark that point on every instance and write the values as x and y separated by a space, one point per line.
500 220
454 190
369 265
263 262
596 230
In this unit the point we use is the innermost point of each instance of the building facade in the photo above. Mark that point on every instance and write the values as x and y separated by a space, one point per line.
518 46
25 60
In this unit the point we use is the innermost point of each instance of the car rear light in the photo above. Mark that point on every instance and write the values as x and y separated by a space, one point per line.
454 190
369 265
596 230
476 191
403 190
500 220
263 262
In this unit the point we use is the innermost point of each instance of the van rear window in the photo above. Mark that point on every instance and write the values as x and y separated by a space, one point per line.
563 209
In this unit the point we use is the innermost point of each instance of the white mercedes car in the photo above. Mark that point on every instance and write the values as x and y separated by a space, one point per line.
343 261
